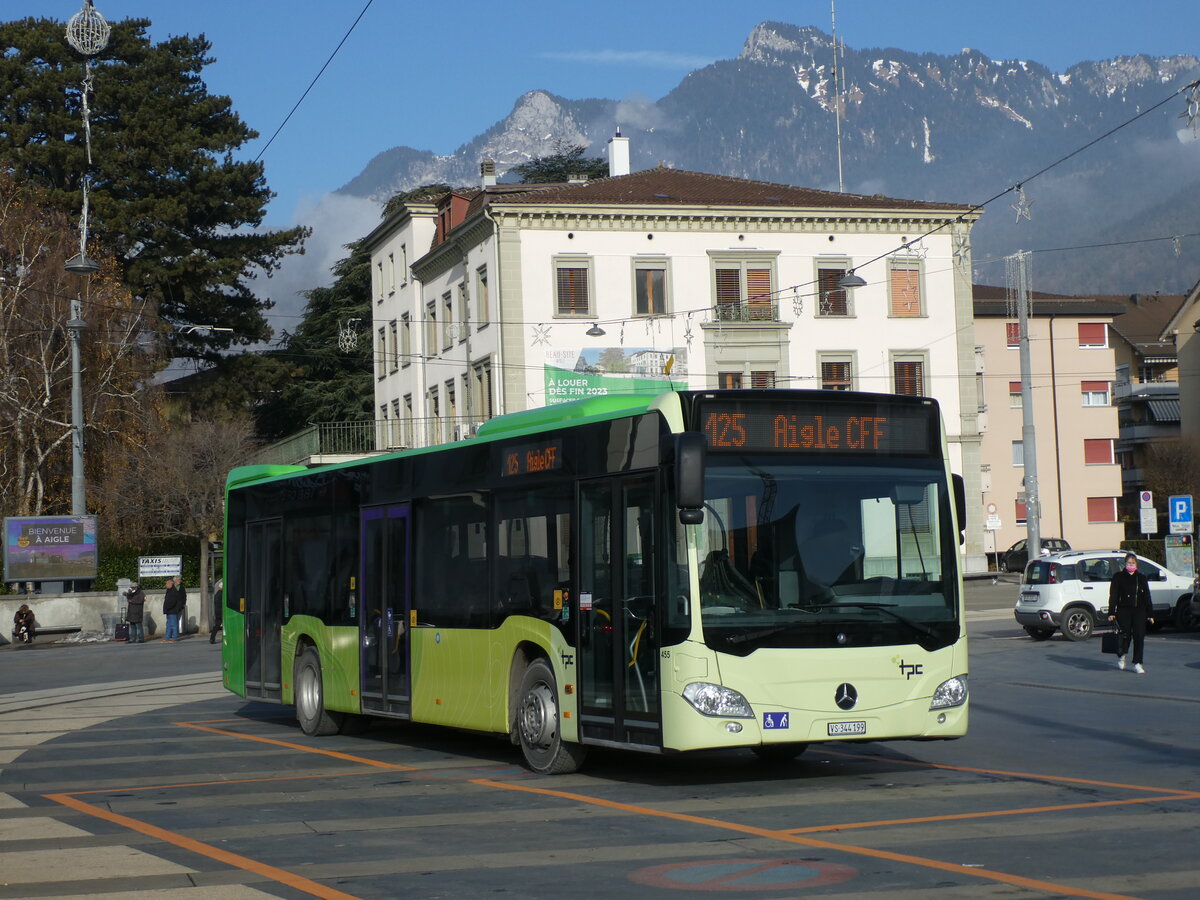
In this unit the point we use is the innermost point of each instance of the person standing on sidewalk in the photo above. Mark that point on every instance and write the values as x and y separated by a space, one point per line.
1130 605
136 600
173 603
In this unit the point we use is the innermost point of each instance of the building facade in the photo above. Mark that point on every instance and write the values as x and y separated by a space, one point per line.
1072 366
517 296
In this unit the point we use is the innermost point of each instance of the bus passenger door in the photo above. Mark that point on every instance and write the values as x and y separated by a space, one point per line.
384 609
264 608
618 582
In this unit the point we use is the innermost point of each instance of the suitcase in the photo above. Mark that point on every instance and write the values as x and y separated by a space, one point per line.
121 633
1110 642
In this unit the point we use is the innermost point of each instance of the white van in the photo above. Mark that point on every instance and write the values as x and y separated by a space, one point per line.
1069 591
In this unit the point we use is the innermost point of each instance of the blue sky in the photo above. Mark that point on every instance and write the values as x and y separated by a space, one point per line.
433 75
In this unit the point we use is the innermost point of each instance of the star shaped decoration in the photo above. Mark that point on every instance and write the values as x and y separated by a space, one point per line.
687 331
541 335
1191 114
961 244
1023 206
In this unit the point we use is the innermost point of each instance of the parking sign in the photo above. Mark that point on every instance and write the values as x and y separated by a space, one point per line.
1179 513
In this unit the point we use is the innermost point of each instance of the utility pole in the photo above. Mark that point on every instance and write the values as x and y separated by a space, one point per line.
1019 281
837 93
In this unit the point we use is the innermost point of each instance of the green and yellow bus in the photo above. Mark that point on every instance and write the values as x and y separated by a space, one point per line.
673 572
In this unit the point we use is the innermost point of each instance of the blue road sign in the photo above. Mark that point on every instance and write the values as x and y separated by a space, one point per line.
1179 513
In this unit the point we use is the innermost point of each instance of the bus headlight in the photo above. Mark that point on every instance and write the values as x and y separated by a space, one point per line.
950 693
715 700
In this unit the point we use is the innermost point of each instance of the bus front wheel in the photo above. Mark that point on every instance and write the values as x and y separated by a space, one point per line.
538 724
310 696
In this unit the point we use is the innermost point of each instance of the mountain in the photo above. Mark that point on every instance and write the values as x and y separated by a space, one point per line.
923 126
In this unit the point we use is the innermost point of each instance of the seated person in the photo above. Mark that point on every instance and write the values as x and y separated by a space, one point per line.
24 625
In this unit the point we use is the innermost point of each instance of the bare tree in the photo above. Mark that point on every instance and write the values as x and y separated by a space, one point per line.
35 358
1173 467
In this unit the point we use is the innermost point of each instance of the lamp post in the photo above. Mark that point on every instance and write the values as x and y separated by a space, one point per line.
87 33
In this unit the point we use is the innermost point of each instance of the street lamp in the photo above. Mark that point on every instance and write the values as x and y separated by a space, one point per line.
87 33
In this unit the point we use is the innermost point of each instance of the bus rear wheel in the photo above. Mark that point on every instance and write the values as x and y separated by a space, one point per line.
538 724
310 696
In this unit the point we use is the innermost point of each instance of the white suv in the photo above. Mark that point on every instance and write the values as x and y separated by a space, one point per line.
1069 591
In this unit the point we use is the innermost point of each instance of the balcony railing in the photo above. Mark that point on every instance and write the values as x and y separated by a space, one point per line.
749 311
329 441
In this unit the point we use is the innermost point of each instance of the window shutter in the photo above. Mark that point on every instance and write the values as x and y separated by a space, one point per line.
572 291
1014 387
832 301
1012 333
1093 334
729 291
909 377
1102 509
1097 451
758 294
1094 386
1021 512
835 376
762 380
906 292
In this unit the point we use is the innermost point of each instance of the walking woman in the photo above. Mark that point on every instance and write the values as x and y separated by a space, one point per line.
1130 604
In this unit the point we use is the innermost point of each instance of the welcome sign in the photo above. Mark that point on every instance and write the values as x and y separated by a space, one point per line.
50 548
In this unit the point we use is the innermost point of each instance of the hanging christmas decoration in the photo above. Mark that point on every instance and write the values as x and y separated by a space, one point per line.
1177 245
961 246
687 330
797 302
348 336
1023 206
1191 113
541 335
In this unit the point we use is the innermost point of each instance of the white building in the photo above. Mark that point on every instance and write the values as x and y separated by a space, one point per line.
505 297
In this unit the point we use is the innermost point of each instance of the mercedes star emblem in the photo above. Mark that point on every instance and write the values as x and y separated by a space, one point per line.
845 696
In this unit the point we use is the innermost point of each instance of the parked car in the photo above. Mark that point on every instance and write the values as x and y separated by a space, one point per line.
1016 557
1069 591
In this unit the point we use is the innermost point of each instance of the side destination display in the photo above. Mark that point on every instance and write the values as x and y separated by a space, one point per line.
849 428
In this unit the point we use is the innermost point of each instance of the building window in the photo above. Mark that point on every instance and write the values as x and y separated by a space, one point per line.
431 328
1018 454
1015 399
1012 334
433 413
908 376
1095 393
405 339
729 380
451 401
408 420
447 320
403 264
463 311
1102 509
649 287
481 296
904 283
391 273
393 346
1020 513
483 388
381 352
572 286
1093 334
832 298
744 289
761 380
837 373
379 281
1098 451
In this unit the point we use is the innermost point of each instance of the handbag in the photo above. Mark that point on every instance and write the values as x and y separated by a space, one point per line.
1110 642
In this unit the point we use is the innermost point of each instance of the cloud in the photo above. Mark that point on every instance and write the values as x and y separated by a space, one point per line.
336 220
650 59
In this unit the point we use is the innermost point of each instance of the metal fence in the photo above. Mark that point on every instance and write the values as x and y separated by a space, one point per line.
750 311
348 439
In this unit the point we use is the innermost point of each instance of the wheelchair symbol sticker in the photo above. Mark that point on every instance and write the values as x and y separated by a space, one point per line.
775 720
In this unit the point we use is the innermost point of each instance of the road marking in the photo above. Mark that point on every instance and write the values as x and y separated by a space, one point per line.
349 757
923 862
283 876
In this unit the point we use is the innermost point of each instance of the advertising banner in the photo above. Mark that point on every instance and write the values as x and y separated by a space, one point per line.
575 373
160 566
50 548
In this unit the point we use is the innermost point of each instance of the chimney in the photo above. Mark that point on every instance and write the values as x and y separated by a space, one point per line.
487 173
618 155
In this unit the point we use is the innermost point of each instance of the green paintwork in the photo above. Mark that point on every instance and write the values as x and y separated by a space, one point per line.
244 474
338 648
233 651
577 412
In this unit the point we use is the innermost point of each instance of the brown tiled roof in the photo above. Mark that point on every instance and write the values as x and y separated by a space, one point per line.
995 292
678 187
1145 319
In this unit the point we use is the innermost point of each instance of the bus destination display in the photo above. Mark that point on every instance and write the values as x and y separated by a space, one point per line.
846 428
530 459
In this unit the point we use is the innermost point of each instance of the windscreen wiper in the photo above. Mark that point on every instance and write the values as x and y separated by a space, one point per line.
886 609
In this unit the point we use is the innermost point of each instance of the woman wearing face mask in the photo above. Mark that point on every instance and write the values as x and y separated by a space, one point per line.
1129 603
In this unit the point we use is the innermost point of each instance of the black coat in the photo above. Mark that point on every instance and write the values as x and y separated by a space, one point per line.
1130 591
174 601
137 602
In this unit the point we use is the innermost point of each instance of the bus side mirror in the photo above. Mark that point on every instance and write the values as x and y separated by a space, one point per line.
689 477
960 506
